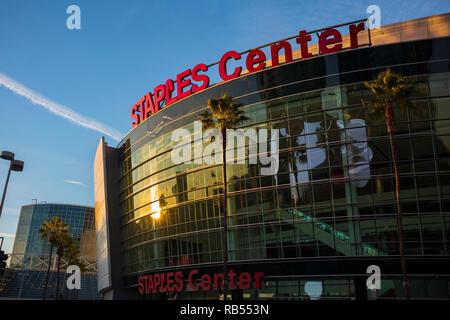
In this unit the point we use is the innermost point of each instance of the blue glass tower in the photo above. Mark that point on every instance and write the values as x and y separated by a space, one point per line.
30 257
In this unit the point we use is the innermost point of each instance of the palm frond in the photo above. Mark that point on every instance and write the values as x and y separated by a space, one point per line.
387 88
222 114
55 231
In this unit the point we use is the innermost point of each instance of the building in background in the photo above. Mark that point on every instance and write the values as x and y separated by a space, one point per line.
325 216
25 277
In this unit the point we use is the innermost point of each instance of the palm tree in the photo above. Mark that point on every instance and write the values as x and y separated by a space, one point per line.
223 114
71 252
389 89
64 240
162 201
52 230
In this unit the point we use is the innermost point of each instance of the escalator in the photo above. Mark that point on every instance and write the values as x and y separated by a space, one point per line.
330 236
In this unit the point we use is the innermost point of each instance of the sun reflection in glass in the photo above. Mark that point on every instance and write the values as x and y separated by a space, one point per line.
156 210
157 214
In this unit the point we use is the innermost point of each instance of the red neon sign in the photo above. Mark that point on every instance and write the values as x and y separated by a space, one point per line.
174 281
195 80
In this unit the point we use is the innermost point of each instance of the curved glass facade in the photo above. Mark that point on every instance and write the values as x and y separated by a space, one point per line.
332 199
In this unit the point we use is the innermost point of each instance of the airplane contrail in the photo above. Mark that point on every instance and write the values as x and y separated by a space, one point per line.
74 182
59 109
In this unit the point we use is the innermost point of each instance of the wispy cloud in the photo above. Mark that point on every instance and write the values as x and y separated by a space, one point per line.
11 211
74 182
58 109
7 235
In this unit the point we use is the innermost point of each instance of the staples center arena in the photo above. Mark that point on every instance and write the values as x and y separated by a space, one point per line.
326 215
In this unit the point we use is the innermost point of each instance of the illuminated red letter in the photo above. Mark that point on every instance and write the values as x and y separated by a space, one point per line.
354 34
324 42
141 285
170 287
181 83
191 282
223 65
179 281
303 39
206 282
150 286
258 276
218 285
149 105
255 56
141 107
159 96
169 88
200 77
135 116
245 281
156 282
163 280
275 49
231 275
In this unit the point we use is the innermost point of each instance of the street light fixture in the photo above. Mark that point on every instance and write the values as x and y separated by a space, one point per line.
14 165
7 155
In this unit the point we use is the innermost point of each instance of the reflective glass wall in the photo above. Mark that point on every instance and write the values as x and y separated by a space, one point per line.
27 272
333 194
81 228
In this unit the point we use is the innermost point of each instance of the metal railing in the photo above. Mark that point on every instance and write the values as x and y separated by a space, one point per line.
42 261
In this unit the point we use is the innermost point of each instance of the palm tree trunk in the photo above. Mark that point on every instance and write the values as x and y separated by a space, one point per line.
225 223
57 273
48 271
390 123
64 288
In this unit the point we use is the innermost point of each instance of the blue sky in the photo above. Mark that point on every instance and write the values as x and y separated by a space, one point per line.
123 50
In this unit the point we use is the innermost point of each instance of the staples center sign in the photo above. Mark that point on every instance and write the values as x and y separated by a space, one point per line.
195 80
176 281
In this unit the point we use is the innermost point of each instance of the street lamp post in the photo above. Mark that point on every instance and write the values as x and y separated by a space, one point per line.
14 165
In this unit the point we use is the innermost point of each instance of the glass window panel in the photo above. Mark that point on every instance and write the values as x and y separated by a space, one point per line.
377 130
384 190
336 288
331 98
422 147
441 126
312 101
420 126
419 110
439 84
322 194
296 126
424 165
276 109
439 108
381 150
442 146
257 113
411 228
352 94
362 189
420 88
294 105
368 231
403 148
432 229
331 117
311 118
339 195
